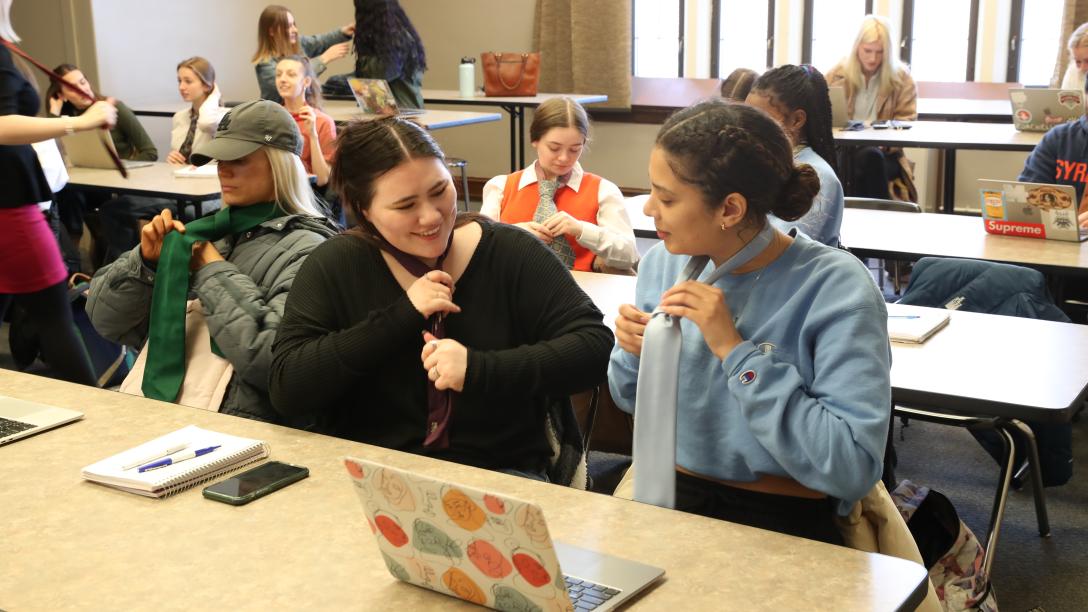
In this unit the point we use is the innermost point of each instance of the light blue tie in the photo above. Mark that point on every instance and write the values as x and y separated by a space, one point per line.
654 449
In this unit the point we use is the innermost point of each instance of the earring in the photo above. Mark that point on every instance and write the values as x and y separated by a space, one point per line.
723 226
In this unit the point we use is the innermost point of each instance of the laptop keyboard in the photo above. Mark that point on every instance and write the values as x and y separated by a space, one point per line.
10 428
586 595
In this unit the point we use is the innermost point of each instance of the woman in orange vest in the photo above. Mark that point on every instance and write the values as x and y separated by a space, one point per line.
578 214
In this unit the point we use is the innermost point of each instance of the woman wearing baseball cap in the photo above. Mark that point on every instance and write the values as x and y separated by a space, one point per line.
240 262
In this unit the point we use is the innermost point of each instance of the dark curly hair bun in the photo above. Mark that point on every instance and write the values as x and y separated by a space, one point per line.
797 193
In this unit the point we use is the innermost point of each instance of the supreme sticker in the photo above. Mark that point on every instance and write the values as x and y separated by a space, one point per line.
1015 228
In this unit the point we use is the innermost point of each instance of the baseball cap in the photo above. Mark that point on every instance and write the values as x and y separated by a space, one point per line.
248 127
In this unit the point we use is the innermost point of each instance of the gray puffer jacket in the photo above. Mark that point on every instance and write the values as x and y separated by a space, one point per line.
243 299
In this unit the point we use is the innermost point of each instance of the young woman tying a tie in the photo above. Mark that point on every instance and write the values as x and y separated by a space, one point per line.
427 331
781 341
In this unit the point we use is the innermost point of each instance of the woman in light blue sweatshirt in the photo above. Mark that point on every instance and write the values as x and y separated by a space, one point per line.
783 409
796 97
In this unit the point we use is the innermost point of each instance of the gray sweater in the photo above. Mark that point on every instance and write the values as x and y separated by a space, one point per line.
243 299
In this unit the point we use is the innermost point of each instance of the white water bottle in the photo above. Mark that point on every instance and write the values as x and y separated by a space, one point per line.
466 76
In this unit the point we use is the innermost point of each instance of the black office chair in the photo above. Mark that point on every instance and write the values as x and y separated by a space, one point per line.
892 205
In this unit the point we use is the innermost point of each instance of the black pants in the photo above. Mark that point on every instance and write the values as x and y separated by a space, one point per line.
871 171
120 219
60 342
797 516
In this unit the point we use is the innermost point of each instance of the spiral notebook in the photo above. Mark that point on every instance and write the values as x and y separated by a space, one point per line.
233 453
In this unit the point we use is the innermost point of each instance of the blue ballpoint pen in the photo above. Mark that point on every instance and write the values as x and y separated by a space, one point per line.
172 459
904 316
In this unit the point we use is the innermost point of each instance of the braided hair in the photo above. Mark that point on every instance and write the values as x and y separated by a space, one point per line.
724 147
789 88
383 30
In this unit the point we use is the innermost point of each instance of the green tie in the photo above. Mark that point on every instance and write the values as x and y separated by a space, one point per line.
166 340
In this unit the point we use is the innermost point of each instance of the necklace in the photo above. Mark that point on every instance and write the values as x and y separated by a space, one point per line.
752 289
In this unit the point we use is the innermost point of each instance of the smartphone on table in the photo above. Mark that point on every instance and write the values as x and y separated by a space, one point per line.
257 482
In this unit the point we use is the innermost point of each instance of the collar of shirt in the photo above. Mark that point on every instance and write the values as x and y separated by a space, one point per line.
529 176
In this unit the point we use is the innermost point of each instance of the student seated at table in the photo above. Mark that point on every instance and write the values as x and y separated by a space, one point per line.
1061 158
877 87
1078 59
738 84
194 126
579 215
796 97
297 85
277 37
782 415
242 263
427 331
129 138
121 217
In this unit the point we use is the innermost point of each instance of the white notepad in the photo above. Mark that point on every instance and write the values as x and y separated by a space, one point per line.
233 452
914 324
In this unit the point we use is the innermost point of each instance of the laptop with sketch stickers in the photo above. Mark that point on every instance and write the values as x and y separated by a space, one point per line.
1033 210
375 98
20 418
1038 110
487 548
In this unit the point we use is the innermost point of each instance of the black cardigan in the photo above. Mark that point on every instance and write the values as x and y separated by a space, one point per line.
348 349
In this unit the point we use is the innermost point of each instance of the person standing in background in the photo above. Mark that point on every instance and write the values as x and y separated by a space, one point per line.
31 270
277 37
388 47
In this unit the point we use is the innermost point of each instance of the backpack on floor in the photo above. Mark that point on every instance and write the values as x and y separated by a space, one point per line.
111 361
950 551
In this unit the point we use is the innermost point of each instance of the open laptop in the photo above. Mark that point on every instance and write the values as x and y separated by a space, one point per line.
20 418
1038 110
85 150
1033 210
487 548
375 98
839 117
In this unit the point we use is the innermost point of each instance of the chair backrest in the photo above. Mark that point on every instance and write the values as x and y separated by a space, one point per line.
878 204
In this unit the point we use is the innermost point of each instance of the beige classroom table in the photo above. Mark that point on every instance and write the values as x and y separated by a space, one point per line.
156 181
514 106
901 235
990 367
947 137
71 544
344 111
347 110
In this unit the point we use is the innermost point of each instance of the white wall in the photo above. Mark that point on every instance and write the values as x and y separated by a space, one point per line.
129 49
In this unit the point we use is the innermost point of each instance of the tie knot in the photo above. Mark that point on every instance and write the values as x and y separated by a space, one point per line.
548 188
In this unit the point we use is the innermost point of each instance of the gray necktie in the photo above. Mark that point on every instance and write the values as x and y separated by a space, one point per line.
545 208
654 449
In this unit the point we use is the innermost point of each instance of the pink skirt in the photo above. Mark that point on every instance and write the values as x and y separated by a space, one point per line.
29 256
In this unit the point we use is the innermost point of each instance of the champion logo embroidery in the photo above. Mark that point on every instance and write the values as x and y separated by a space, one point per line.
747 377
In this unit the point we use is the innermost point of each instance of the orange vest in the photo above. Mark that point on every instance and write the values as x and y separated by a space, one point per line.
520 206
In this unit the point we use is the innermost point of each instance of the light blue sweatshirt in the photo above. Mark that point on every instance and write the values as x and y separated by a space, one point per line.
807 395
823 221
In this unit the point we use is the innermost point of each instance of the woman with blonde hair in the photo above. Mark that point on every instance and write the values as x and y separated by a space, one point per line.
277 37
1078 59
580 215
240 263
878 87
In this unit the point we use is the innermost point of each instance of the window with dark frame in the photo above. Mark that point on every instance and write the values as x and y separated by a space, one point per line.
1033 43
939 39
828 35
741 36
655 50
